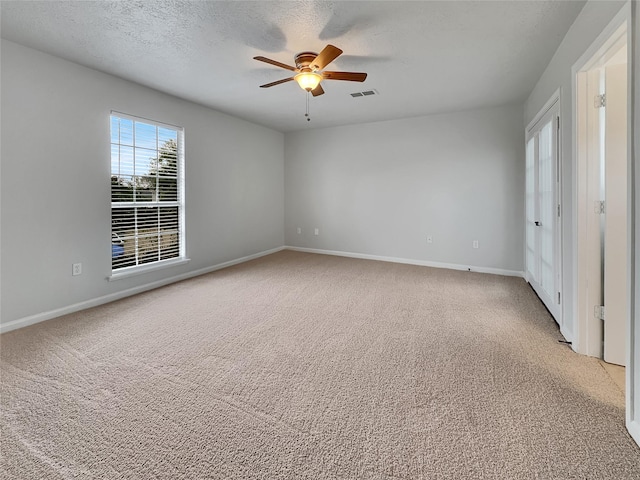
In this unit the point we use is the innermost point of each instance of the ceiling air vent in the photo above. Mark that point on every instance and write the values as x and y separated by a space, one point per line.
366 93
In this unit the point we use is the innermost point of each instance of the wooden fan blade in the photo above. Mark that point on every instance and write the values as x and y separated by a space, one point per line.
276 63
325 57
348 76
284 80
317 91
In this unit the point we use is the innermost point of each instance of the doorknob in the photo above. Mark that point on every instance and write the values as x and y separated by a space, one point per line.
538 224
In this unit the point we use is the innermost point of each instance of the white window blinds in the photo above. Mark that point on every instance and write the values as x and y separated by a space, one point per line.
147 191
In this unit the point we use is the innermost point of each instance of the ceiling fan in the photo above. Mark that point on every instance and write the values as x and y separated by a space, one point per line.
308 70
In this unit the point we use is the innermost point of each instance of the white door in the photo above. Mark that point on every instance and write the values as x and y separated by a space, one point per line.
531 212
616 297
543 210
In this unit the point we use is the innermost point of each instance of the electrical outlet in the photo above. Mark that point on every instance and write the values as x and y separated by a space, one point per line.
76 269
299 230
316 231
475 244
429 239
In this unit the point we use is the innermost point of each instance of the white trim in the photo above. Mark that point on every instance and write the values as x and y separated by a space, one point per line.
609 37
409 261
94 302
555 98
145 204
634 430
146 268
137 118
633 328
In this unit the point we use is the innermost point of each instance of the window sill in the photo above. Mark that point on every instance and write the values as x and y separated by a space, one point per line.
142 269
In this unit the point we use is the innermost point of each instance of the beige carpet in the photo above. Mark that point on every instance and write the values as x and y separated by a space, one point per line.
301 366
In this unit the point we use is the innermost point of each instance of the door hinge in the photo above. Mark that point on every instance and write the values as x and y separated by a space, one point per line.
558 298
598 312
598 206
600 101
558 210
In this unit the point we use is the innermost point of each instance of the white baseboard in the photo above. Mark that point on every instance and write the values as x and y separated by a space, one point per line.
409 261
634 429
94 302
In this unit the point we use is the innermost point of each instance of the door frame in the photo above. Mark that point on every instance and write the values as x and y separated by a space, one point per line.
587 338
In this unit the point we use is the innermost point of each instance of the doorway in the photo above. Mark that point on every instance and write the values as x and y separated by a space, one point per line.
604 215
602 203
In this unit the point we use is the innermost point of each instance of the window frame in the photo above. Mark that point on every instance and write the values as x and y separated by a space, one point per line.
179 203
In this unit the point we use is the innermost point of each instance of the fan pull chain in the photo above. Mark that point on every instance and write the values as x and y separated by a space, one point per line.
307 114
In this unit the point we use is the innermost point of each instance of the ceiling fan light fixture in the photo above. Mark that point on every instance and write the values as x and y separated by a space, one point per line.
308 80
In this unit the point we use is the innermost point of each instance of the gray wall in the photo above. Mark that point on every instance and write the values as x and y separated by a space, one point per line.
55 184
381 188
593 18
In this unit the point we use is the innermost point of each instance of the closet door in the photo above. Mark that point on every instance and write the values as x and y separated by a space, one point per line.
543 211
531 212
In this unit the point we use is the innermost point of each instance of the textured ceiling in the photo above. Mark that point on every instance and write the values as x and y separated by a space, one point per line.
421 56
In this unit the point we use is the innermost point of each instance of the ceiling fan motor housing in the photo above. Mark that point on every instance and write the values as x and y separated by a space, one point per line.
303 60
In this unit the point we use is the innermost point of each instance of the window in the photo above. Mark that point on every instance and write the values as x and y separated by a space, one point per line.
147 207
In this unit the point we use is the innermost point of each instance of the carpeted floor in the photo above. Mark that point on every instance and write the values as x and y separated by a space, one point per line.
302 366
